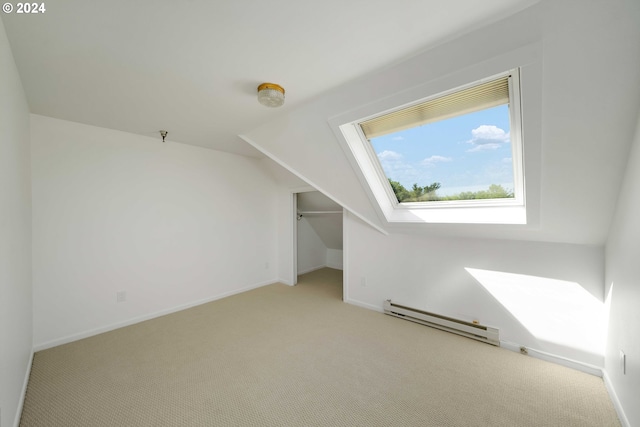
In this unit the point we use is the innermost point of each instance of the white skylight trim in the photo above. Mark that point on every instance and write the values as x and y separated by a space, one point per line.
487 211
387 98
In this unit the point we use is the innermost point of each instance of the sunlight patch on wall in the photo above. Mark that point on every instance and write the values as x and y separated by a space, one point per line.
553 310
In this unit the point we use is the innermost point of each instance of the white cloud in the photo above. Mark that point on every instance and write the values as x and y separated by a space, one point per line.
489 133
395 167
484 147
397 138
388 155
431 161
487 137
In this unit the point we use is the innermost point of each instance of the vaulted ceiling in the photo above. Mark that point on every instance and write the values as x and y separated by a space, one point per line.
192 66
579 119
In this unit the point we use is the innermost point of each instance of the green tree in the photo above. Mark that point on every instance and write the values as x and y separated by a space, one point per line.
399 190
416 194
495 191
428 193
432 188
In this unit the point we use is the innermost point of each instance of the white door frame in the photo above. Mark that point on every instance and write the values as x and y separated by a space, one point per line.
294 227
294 242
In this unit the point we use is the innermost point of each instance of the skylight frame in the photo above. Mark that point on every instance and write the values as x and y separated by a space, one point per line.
403 86
485 211
515 123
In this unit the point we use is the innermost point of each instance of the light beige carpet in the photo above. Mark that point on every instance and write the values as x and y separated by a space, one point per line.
299 356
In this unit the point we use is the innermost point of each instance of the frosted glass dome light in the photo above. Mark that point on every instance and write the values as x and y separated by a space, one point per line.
271 95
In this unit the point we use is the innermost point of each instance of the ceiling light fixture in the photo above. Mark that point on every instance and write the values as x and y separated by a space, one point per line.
271 95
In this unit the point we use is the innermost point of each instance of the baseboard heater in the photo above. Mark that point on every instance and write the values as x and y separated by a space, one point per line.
467 329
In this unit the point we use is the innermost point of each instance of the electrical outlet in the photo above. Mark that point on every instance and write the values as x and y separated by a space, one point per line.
524 350
121 296
623 362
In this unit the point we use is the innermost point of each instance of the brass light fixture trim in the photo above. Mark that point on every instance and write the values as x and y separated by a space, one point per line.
271 94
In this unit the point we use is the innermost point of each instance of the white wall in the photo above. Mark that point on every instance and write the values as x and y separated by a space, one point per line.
319 232
15 238
312 253
430 273
289 184
169 224
623 284
335 258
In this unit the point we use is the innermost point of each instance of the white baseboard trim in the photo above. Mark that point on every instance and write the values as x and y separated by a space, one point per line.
554 358
309 270
285 282
365 305
336 266
614 399
138 319
539 354
23 395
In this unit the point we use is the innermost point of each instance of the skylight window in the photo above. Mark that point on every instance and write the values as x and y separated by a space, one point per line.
457 147
453 157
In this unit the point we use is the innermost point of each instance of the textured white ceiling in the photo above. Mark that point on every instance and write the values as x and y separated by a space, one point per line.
192 66
578 124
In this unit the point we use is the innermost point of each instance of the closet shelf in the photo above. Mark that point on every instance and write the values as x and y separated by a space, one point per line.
318 212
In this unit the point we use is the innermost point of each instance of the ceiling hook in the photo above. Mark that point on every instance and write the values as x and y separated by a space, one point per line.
163 134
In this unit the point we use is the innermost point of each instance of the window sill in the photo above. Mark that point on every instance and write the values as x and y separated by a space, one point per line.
459 215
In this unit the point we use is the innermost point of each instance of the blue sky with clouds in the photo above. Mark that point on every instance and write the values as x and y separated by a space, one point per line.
465 153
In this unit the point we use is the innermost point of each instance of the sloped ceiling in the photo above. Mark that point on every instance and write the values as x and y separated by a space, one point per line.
192 66
326 223
317 202
590 96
